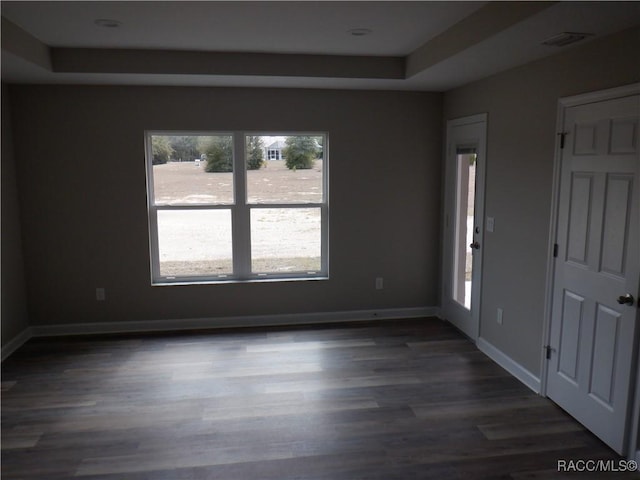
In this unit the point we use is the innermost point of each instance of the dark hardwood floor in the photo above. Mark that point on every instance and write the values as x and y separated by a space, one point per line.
390 400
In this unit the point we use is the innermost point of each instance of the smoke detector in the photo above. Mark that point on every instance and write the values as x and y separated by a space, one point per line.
565 38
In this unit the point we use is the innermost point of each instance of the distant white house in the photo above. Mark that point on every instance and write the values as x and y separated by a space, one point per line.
274 151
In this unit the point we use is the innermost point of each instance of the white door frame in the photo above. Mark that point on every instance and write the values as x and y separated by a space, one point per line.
563 105
449 204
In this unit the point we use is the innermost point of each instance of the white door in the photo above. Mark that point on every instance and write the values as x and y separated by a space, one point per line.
597 269
463 232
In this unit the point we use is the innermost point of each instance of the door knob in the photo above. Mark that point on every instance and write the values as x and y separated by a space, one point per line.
625 299
475 245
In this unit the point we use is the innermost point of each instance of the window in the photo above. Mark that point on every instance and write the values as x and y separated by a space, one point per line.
237 206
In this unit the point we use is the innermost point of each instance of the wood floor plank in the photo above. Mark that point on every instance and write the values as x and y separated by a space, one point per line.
177 457
403 399
308 345
501 431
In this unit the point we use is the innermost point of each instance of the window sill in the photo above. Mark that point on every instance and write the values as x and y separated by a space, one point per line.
185 282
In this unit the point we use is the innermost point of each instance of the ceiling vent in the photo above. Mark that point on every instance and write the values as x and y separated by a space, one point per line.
565 38
107 23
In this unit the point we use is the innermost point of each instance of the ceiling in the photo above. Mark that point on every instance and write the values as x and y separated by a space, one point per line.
429 46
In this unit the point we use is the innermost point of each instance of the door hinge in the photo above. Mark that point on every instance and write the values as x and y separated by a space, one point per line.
563 135
548 351
555 250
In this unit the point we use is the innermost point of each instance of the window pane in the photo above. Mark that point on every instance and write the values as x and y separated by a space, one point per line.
192 169
284 169
285 240
195 242
465 209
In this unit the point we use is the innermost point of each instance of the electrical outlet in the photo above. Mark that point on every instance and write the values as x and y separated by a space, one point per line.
379 283
499 317
101 294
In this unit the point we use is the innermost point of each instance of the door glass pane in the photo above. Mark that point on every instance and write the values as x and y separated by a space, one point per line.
285 240
463 226
284 169
192 169
195 242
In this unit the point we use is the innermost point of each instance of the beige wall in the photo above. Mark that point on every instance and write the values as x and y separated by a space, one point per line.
14 306
81 175
521 106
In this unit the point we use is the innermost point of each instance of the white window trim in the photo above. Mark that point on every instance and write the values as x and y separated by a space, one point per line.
240 215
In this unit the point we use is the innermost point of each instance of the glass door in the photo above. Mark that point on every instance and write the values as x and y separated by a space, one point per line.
464 214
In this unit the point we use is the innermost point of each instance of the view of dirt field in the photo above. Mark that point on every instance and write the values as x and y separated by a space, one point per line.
187 182
198 242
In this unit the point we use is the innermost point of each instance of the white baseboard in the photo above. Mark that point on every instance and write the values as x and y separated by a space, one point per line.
16 342
510 365
232 322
